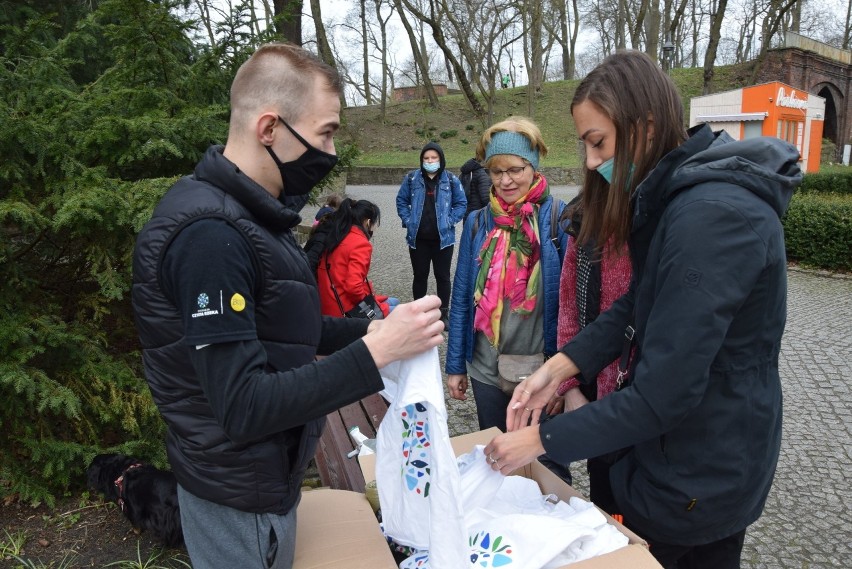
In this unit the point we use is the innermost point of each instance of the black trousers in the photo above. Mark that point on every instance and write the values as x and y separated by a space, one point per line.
722 554
428 254
600 489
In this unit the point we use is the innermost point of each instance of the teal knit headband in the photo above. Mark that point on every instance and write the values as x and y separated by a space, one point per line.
509 142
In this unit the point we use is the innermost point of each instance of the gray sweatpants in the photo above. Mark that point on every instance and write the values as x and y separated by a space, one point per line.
219 537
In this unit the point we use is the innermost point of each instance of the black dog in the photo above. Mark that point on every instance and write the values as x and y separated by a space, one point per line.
146 494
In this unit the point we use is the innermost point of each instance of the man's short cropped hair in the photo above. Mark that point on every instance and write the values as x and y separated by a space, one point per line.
280 75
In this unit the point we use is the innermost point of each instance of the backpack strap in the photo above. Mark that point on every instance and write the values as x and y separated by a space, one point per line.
555 218
476 223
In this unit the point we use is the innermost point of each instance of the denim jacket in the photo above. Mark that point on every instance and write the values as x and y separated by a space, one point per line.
450 204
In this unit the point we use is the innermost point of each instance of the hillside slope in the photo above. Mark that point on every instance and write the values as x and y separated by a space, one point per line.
397 140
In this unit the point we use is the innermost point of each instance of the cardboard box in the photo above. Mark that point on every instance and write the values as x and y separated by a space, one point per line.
633 556
338 529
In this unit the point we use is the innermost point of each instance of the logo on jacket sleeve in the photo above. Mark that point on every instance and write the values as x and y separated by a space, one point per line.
204 309
238 302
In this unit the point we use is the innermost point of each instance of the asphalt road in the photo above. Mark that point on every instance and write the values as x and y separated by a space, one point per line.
807 522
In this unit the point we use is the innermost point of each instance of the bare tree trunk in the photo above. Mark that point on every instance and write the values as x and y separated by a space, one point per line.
288 20
438 9
536 68
419 58
562 35
323 48
677 17
652 26
636 28
575 32
712 45
204 8
383 28
796 17
267 11
620 23
255 23
848 26
423 51
365 52
696 37
567 40
774 15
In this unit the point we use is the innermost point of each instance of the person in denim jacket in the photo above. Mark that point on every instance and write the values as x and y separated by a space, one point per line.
430 203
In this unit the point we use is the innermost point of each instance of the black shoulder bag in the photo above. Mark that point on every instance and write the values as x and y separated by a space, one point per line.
367 308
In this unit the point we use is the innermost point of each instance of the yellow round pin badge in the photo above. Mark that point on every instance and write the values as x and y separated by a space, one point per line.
238 302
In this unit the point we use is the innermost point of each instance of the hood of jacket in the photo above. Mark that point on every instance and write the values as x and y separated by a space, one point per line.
471 165
767 167
437 148
761 165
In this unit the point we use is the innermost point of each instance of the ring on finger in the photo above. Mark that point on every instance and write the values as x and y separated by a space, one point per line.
527 409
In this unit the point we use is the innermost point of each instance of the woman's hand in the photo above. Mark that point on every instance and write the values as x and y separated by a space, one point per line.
533 394
574 399
457 386
509 451
555 405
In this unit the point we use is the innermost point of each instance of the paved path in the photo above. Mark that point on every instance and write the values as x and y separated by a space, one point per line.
807 522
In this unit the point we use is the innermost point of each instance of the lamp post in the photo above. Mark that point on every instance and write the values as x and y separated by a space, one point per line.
668 52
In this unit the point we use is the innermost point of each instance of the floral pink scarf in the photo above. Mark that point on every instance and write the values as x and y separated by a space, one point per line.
509 260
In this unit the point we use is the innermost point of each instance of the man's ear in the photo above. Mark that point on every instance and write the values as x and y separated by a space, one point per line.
265 128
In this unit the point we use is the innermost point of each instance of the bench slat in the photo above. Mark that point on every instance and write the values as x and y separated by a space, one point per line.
335 469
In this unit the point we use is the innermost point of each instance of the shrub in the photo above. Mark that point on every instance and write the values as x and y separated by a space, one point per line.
837 180
818 230
828 152
448 133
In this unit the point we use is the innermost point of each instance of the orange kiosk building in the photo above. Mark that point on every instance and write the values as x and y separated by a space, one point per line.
770 109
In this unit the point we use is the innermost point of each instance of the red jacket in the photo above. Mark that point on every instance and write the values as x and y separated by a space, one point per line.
349 264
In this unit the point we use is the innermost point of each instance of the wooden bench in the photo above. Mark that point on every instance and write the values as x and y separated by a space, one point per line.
335 469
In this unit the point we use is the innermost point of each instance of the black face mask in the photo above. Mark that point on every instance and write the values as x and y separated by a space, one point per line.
306 171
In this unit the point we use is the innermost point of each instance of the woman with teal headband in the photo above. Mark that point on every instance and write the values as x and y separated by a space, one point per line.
506 286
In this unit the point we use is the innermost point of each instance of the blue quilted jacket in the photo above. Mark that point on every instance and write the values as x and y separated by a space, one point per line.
461 338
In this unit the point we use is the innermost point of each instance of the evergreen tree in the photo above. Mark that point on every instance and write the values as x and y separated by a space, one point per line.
95 124
102 105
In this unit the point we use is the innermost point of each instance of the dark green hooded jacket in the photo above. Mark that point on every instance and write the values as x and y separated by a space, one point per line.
702 413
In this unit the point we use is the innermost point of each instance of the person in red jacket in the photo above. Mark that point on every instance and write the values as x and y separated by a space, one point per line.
345 262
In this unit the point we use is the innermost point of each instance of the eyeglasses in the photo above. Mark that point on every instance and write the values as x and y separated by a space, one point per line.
514 173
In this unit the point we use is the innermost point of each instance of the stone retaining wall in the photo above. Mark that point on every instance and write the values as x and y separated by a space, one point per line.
392 176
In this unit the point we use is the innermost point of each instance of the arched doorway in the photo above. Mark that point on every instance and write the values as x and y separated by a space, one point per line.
832 121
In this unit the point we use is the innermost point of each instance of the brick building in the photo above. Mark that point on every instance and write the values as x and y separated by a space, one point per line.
415 92
818 69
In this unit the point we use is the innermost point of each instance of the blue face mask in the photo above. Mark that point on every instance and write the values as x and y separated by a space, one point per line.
605 170
431 167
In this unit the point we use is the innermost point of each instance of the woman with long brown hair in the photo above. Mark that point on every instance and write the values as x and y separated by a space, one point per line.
695 422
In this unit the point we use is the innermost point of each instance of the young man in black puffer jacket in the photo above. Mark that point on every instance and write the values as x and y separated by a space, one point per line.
228 314
476 185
